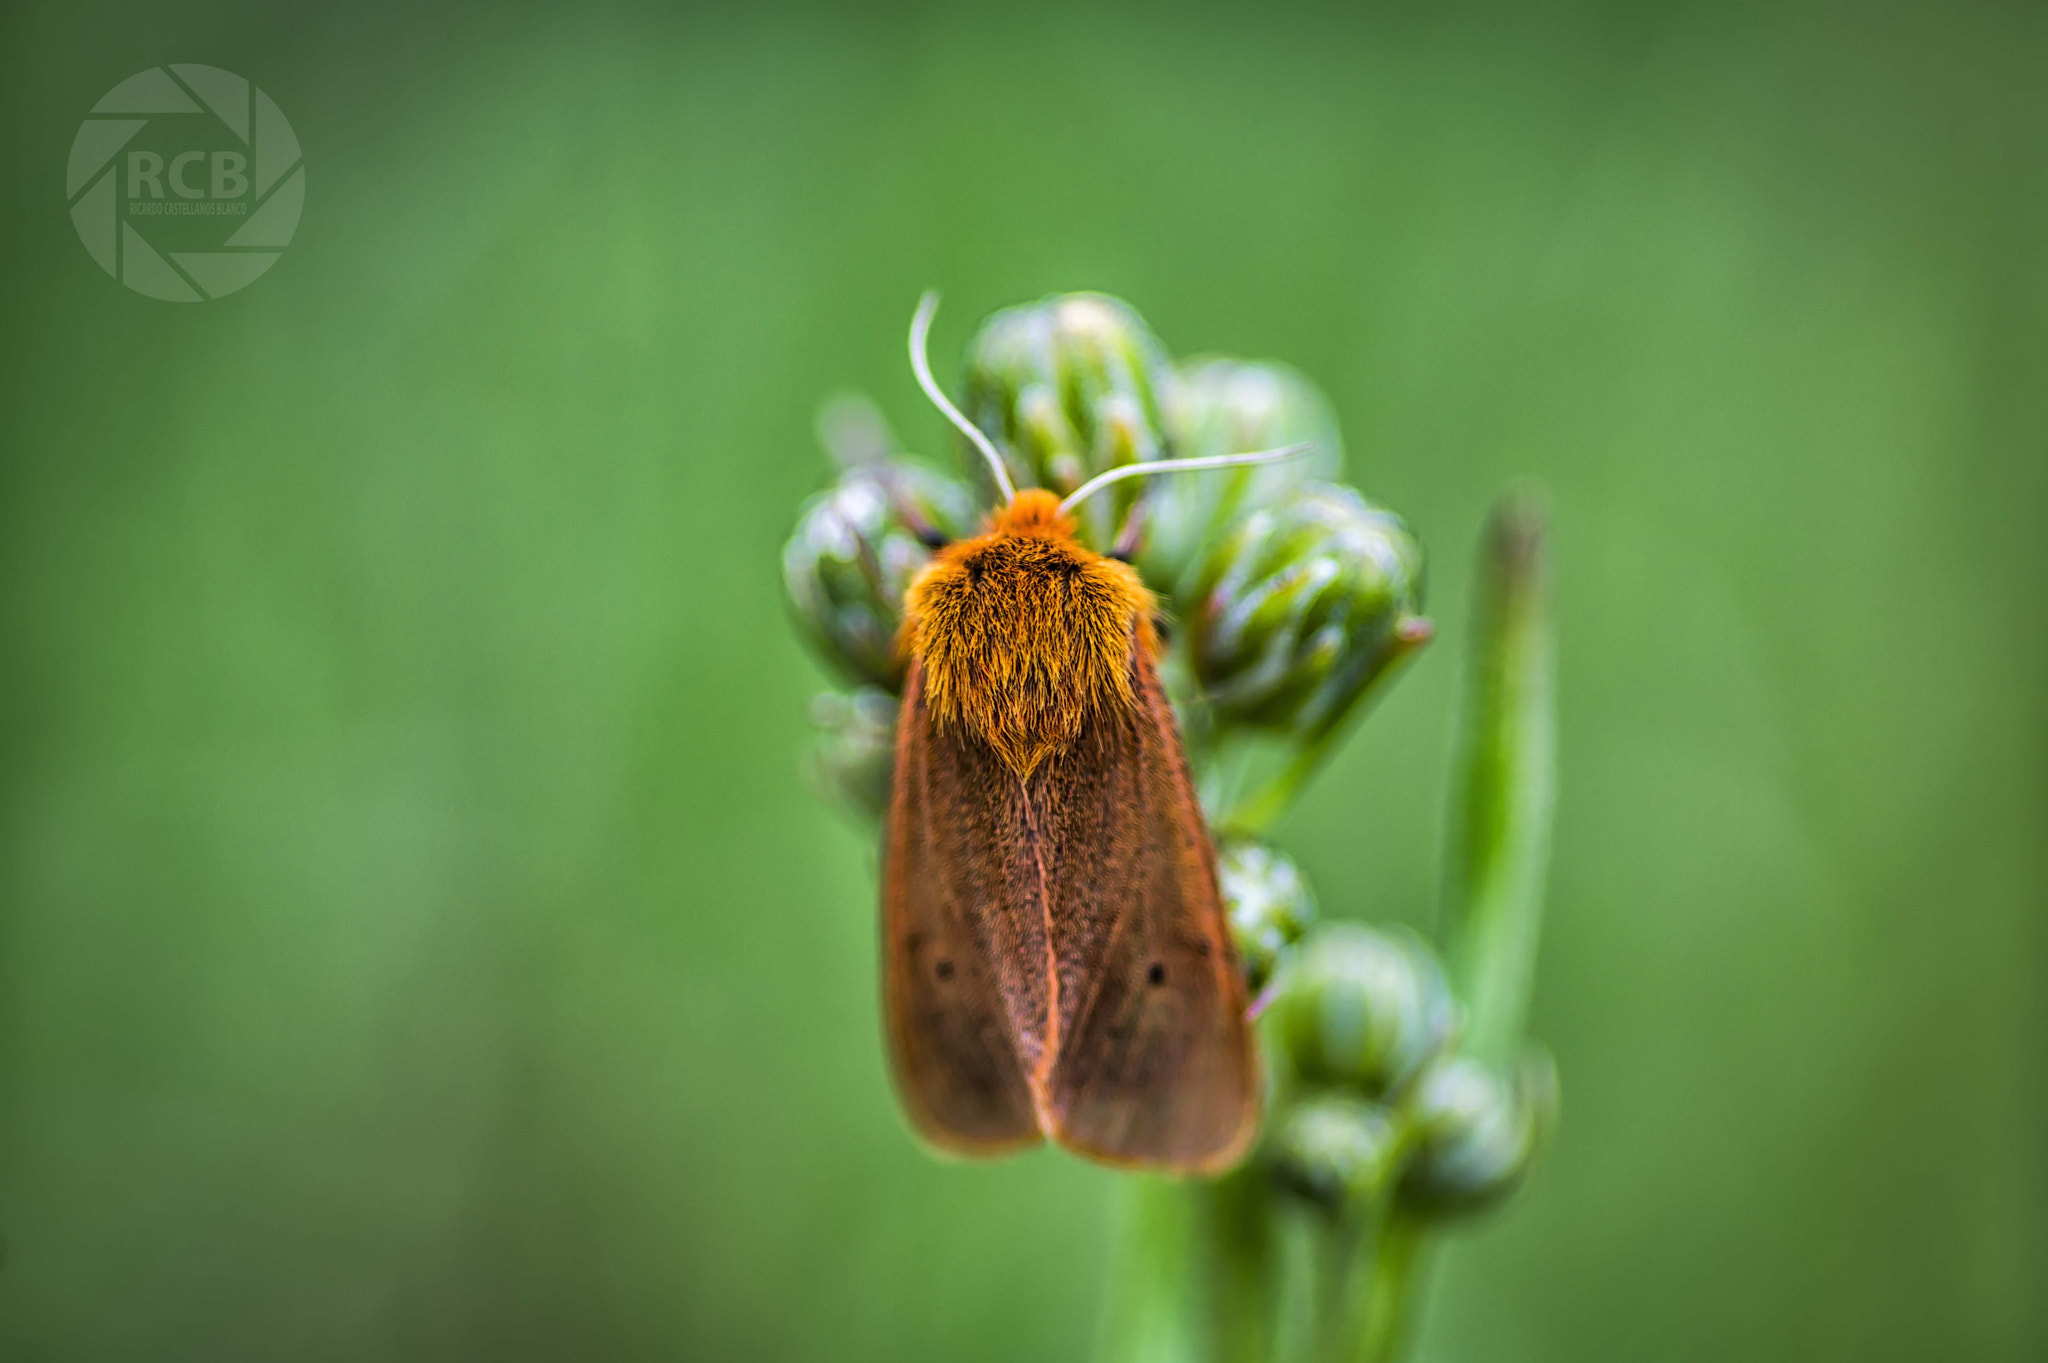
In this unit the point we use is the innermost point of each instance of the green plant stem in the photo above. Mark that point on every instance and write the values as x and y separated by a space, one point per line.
1503 826
1392 1289
1340 1249
1198 1280
1256 813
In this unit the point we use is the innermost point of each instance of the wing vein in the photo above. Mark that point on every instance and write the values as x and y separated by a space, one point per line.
1034 840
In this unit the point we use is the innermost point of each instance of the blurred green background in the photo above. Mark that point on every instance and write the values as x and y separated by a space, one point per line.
417 940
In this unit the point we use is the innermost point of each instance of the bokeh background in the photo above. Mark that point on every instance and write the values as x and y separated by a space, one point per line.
417 940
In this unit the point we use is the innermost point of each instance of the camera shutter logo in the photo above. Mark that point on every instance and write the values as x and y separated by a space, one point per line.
185 182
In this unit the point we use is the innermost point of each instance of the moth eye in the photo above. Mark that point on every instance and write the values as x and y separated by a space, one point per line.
945 969
1156 975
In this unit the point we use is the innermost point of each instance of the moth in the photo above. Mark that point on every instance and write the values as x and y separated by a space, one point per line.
1056 961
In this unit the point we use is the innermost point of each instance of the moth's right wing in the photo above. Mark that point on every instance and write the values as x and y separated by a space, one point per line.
1155 1067
962 976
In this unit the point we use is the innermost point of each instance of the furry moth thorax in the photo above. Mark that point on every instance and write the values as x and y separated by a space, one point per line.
1023 633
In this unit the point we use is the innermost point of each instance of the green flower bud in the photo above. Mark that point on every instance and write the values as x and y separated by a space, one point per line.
1475 1135
852 556
1333 1150
1362 1006
1225 406
1302 607
1066 388
1269 902
855 754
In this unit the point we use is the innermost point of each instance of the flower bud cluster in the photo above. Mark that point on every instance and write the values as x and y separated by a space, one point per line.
1269 903
1301 607
1375 1101
1228 406
1066 388
855 549
854 756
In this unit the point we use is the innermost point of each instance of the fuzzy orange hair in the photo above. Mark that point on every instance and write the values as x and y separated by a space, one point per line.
1023 633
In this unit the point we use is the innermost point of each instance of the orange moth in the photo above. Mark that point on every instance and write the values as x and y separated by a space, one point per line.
1056 963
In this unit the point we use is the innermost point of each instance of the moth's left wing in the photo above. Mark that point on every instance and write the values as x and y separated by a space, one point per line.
952 984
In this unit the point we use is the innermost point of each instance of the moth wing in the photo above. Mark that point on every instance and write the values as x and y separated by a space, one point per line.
1155 1063
949 1004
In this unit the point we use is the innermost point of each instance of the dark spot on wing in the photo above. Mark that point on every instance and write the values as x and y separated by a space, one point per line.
945 969
1156 975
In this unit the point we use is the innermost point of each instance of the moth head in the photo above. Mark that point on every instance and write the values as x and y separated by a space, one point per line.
1024 633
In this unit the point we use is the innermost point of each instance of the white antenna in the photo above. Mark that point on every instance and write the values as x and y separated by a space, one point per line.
920 326
1203 461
